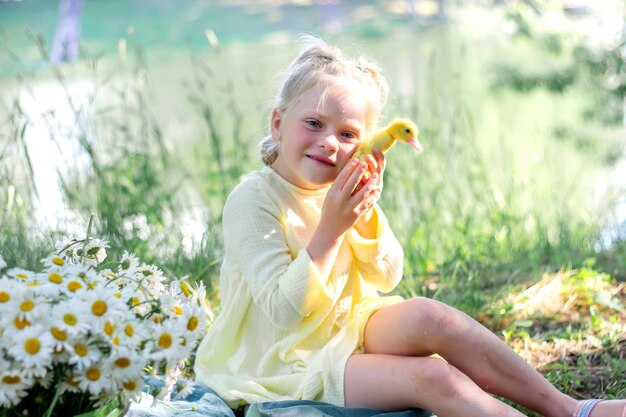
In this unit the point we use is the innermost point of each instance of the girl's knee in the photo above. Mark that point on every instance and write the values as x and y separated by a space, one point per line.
441 378
433 315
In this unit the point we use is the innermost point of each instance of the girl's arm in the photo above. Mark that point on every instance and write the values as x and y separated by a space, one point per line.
342 209
286 288
378 259
379 255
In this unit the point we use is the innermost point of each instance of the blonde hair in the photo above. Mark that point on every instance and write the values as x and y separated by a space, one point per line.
321 64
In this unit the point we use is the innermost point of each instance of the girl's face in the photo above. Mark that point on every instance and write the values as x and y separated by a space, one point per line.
318 138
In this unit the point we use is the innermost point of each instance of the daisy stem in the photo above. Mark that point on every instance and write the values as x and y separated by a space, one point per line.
57 394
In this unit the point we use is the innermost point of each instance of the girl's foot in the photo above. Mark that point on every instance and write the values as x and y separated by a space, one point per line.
600 408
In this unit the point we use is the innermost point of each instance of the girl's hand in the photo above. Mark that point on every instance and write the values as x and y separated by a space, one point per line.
367 224
376 166
344 205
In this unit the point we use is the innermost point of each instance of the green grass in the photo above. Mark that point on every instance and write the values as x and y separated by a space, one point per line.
504 192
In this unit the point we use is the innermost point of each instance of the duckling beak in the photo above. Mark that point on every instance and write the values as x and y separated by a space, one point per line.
415 144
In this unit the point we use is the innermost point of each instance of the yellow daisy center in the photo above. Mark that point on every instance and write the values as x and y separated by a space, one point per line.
33 284
178 310
192 324
117 295
116 341
22 276
72 382
21 324
58 261
93 374
11 379
109 328
58 334
55 278
4 296
70 319
165 341
130 385
129 330
135 301
98 308
74 286
184 289
81 350
157 319
122 363
32 346
27 306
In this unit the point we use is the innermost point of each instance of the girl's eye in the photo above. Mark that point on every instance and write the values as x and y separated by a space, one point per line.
313 123
349 136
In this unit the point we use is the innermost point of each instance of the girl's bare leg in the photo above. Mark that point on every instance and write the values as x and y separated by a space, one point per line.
421 327
388 382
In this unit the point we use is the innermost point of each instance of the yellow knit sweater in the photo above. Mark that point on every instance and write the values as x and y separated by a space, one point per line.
285 331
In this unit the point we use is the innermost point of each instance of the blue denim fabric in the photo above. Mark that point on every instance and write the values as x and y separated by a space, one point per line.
319 409
204 402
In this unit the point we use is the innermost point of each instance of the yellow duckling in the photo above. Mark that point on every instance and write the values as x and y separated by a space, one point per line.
404 130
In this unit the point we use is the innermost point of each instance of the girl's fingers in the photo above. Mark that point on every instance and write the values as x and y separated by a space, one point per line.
367 190
354 179
372 163
345 173
381 162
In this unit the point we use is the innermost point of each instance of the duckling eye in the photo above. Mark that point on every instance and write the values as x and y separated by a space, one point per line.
407 130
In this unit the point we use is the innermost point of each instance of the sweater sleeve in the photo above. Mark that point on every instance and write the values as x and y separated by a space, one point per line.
380 259
286 289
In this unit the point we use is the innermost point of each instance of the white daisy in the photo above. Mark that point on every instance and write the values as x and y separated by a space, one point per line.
32 347
60 340
101 306
20 274
128 263
71 317
78 277
167 342
95 251
84 352
45 381
26 303
53 261
11 322
69 383
50 284
124 364
183 389
140 304
128 333
94 379
132 389
8 287
14 385
3 264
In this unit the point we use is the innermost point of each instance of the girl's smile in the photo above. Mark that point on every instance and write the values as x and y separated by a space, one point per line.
319 134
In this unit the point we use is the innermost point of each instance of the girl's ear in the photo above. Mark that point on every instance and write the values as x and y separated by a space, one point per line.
275 122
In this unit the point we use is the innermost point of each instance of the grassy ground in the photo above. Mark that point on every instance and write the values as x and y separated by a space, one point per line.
571 326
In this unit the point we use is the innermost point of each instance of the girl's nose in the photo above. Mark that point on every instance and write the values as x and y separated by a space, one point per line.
329 142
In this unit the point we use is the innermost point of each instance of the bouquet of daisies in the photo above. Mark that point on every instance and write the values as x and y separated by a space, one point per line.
79 336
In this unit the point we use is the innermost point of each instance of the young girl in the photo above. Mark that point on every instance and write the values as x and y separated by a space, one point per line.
307 254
